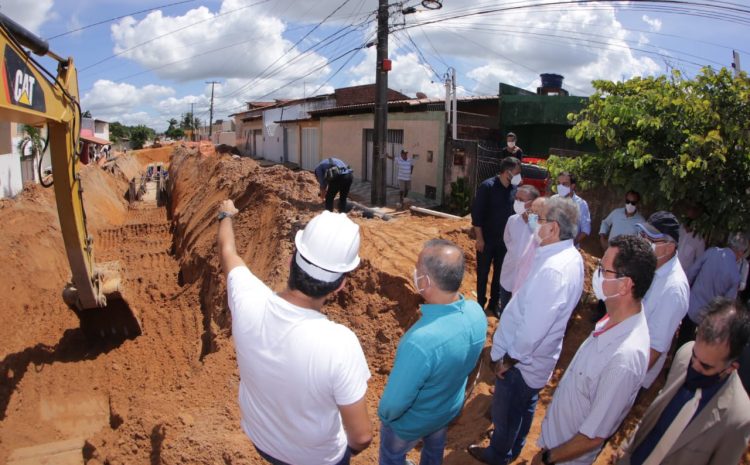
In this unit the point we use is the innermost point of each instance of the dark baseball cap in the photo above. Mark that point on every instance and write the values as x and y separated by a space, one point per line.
660 225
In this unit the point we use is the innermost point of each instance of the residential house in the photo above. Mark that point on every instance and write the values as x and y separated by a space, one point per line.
18 166
94 136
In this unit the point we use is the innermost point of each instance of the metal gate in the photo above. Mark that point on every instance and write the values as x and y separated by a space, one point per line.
393 146
487 163
310 150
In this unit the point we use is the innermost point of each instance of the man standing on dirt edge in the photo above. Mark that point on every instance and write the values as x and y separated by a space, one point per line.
600 384
529 337
425 390
301 375
492 207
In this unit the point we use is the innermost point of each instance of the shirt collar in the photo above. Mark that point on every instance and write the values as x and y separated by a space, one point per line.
667 267
435 310
619 331
551 249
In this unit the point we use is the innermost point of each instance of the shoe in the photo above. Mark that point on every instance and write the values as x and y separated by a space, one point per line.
489 433
409 462
477 452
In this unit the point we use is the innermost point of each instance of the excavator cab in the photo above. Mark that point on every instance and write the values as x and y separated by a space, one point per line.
31 98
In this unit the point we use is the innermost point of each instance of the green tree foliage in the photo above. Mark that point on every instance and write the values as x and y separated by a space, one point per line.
32 138
118 132
173 131
676 141
86 114
139 134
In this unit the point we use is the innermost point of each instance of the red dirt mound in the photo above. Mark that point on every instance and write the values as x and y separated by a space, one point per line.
169 396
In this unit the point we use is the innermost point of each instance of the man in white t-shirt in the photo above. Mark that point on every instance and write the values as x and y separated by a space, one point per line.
303 378
404 169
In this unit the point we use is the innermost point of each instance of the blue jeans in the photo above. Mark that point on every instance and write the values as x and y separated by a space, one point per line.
393 449
344 460
513 408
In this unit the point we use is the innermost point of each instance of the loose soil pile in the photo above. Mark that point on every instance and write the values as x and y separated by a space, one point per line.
169 396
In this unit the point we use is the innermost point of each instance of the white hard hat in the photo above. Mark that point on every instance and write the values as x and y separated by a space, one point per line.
328 246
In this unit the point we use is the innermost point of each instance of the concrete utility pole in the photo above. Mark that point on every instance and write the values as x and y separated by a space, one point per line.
192 122
382 66
736 63
211 108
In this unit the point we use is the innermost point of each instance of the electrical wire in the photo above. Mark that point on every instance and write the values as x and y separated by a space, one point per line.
212 18
104 21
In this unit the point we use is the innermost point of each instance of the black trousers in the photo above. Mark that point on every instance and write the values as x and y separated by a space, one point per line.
340 186
492 256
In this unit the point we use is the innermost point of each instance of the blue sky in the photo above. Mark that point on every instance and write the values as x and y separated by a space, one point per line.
164 57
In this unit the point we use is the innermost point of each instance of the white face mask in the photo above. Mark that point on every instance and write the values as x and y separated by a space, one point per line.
519 207
653 248
416 281
563 190
516 179
537 234
630 208
511 144
597 281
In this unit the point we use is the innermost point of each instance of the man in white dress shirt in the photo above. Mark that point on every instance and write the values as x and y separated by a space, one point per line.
666 302
517 237
600 384
527 344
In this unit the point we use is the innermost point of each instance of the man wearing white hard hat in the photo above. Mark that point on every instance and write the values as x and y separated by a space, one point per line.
303 378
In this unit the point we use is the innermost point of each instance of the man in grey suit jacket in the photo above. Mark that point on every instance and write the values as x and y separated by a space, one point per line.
704 390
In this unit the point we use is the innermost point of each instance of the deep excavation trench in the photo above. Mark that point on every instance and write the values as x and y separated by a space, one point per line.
169 396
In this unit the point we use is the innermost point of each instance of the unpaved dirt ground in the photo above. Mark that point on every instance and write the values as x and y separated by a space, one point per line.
169 396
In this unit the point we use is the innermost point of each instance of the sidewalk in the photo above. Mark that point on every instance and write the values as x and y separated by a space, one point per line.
361 190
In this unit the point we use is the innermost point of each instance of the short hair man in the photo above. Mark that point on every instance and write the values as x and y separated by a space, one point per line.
601 383
702 415
621 220
715 274
528 341
493 205
517 238
691 245
334 178
301 375
566 187
404 170
666 302
425 390
511 148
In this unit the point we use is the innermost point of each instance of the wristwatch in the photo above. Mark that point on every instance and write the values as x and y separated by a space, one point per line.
545 458
223 215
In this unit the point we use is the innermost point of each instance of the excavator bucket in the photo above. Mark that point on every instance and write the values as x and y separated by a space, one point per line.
115 321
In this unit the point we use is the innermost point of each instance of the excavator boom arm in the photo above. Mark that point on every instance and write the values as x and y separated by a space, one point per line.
28 97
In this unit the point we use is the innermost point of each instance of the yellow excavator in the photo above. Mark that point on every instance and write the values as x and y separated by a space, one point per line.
34 96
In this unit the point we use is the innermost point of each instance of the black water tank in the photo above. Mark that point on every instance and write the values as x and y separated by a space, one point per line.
552 80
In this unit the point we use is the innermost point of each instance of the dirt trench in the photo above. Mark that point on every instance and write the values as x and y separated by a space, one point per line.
169 396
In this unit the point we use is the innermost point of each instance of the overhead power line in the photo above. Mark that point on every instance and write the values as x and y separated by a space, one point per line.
105 21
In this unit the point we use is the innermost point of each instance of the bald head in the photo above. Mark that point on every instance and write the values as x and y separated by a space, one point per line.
444 262
537 206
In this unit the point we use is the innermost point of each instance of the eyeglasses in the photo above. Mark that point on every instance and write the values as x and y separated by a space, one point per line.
600 269
544 220
631 202
655 241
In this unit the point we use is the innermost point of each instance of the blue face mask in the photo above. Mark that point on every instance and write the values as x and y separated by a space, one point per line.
533 222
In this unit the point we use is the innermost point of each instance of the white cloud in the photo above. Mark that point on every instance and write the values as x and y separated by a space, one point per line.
580 43
408 74
29 14
234 43
654 24
113 101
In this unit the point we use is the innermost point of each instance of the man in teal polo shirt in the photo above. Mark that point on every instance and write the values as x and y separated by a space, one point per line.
425 391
